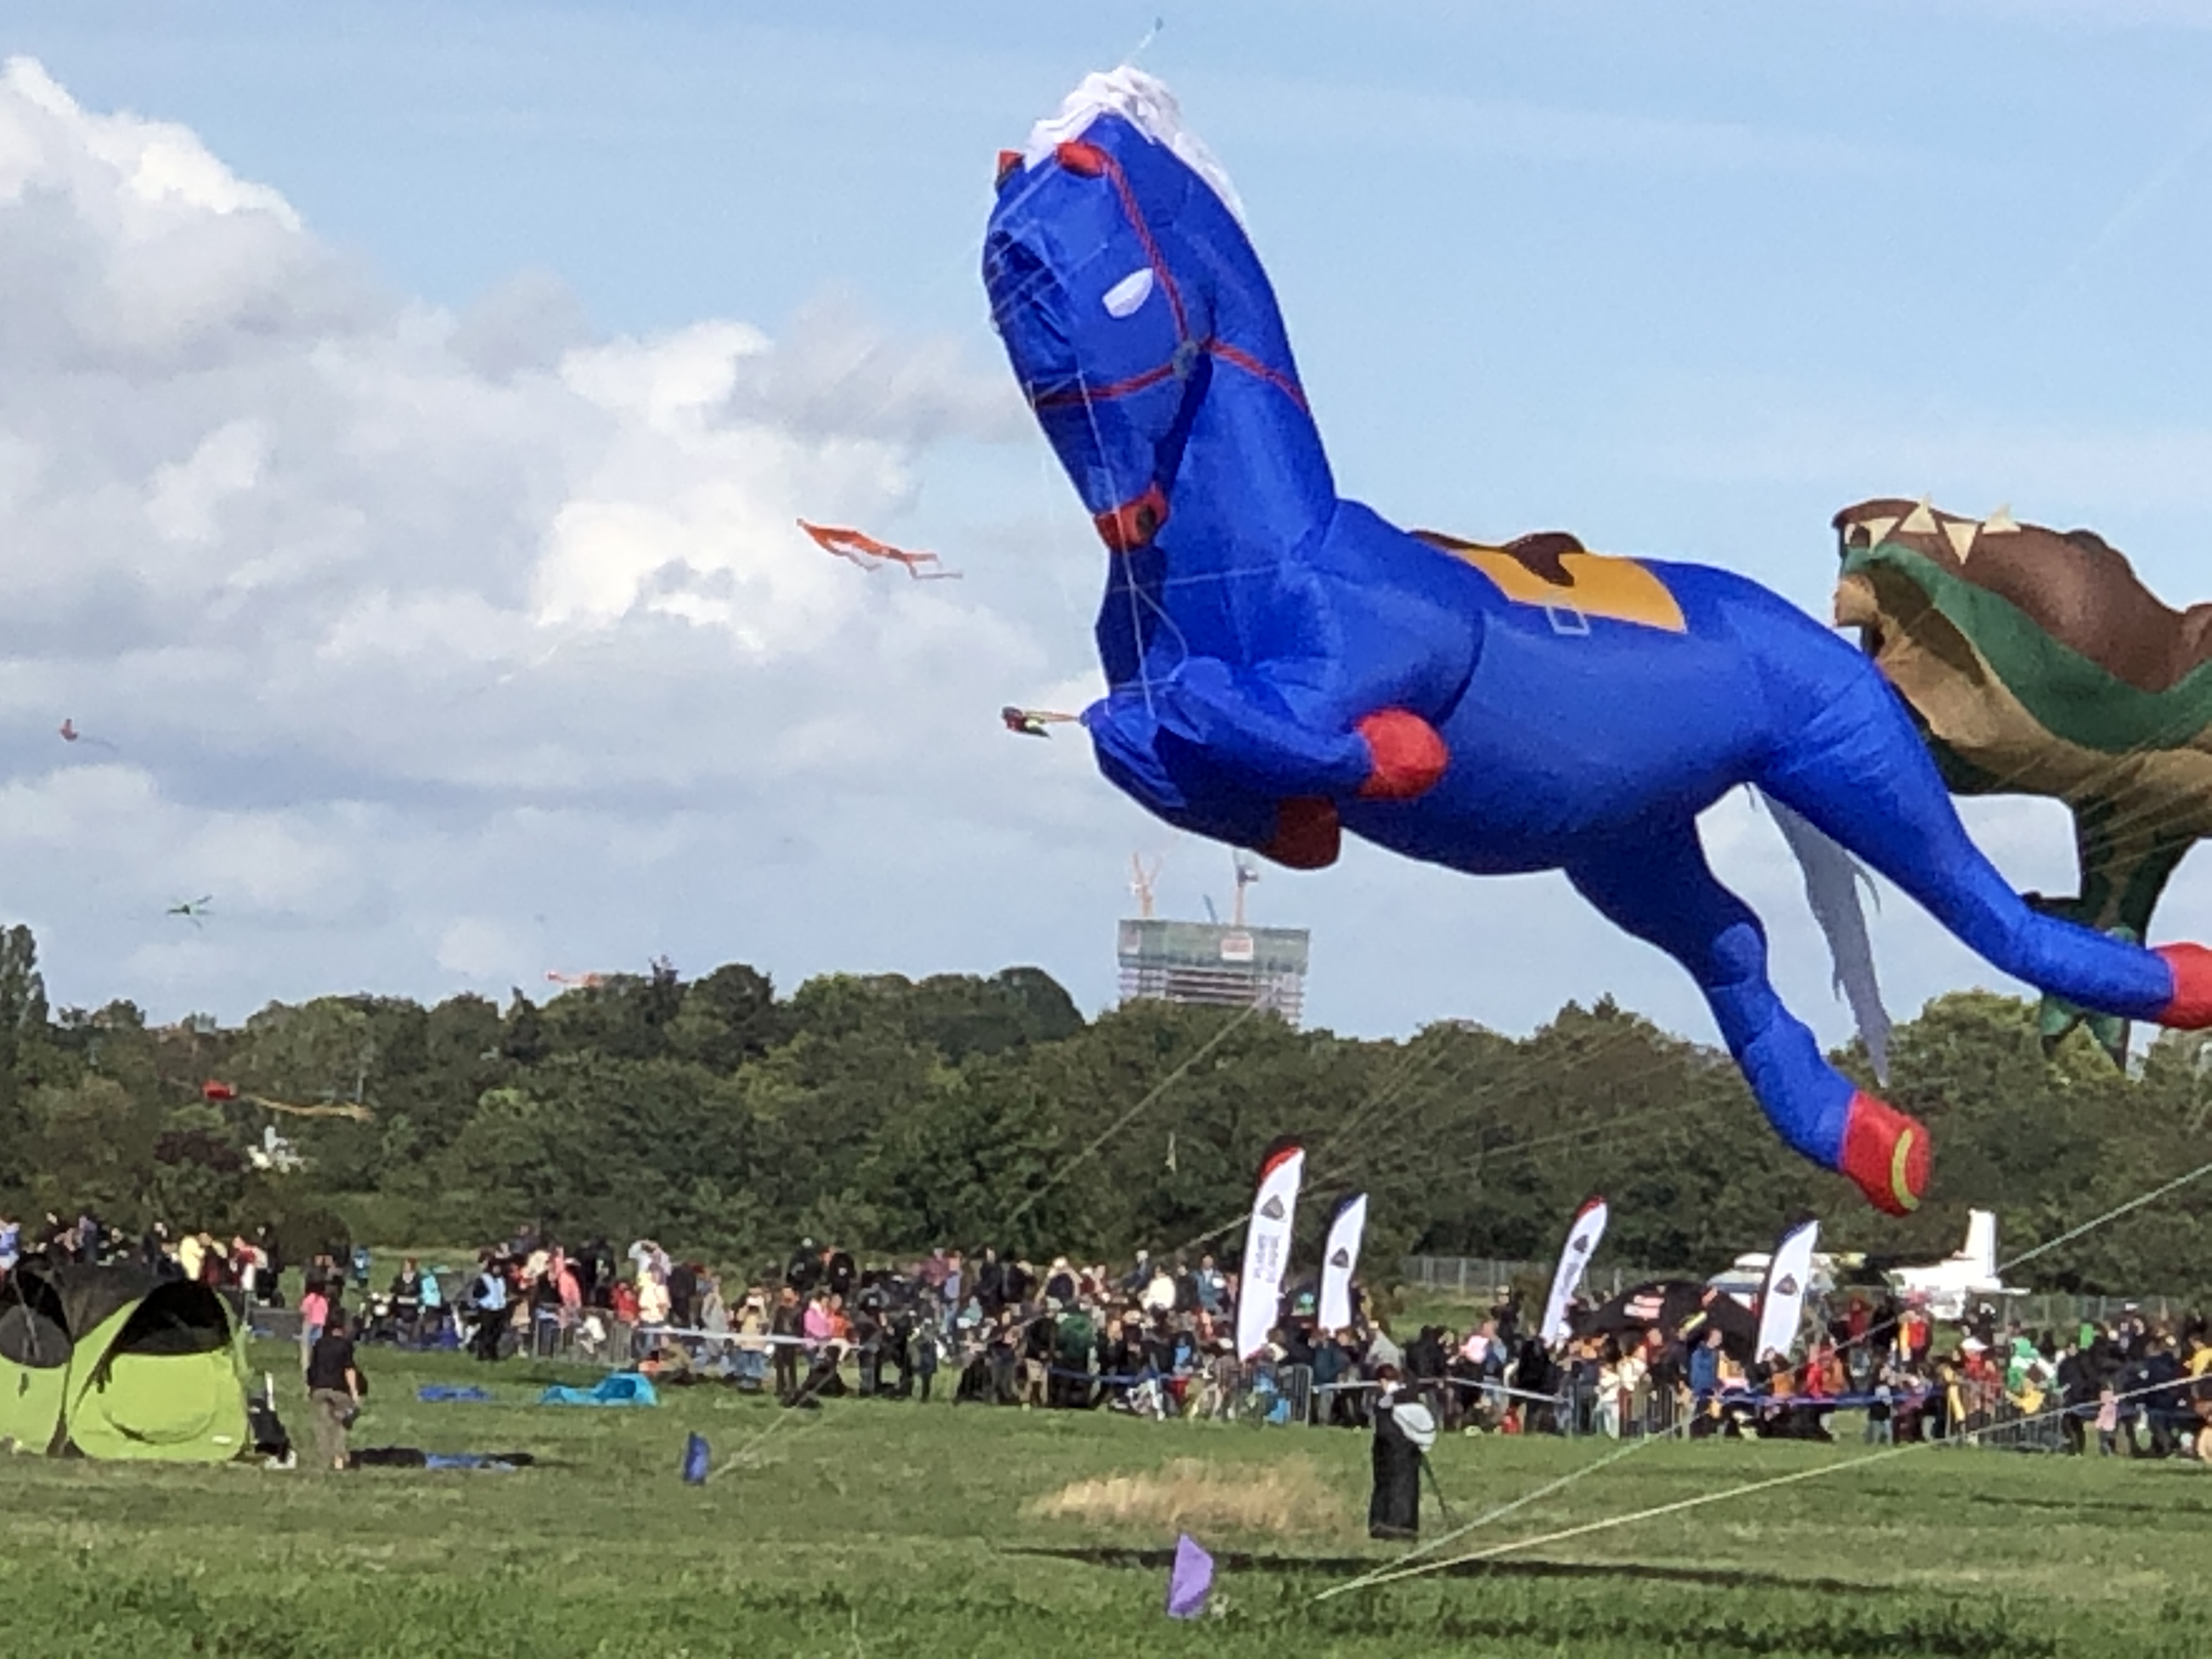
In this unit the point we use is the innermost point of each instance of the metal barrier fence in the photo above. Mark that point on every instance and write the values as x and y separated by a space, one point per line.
1477 1278
2060 1312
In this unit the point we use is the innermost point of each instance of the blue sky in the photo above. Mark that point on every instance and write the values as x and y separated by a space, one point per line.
1684 279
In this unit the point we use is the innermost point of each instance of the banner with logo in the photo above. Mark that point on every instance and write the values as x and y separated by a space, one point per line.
1340 1259
1268 1248
1574 1261
1781 1299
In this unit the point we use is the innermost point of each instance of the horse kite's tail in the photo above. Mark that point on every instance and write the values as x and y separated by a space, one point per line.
1832 878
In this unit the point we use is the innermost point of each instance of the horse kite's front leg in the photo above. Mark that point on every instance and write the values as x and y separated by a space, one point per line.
1212 743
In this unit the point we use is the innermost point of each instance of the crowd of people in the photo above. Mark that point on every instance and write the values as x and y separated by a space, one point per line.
1156 1339
247 1266
2129 1384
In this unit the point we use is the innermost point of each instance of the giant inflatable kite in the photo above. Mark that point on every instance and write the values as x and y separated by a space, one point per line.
1284 665
2038 664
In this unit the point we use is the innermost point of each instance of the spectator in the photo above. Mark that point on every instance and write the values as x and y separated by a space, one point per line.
1060 1284
786 1327
406 1294
1705 1372
432 1324
683 1297
925 1355
1402 1428
488 1304
314 1314
752 1346
334 1393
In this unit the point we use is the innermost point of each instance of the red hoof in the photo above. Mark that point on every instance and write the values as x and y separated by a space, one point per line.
1409 755
1308 835
2192 1007
1888 1154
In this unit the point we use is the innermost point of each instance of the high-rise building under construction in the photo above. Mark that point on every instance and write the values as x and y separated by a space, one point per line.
1212 964
1215 964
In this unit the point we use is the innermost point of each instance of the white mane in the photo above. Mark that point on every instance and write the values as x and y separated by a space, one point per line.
1147 106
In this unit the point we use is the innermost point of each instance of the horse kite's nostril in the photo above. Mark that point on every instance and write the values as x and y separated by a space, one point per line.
1134 522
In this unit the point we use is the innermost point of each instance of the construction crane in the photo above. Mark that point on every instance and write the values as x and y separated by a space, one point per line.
1143 879
1246 875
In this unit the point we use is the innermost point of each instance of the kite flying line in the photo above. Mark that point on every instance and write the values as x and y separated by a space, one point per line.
1130 1116
1393 1574
1498 1514
1401 1569
2113 1214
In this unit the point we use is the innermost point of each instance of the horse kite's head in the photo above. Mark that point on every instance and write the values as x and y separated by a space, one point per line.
1121 282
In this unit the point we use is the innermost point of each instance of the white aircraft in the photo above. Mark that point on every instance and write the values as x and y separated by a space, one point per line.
1948 1284
1746 1277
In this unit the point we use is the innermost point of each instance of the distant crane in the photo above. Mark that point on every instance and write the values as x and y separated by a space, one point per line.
1143 879
1246 875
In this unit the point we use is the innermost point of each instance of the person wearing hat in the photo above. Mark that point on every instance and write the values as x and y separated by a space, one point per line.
1404 1429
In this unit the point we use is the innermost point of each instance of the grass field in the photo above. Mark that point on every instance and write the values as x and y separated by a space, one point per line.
880 1528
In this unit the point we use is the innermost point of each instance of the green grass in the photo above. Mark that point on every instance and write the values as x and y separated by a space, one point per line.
879 1528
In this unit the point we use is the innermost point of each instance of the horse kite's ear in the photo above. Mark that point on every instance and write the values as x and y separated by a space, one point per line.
1079 157
1010 161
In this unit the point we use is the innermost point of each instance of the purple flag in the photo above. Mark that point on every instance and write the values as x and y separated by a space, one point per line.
1190 1580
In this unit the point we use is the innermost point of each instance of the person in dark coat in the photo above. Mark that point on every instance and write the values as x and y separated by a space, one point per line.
1404 1429
787 1324
803 1271
1534 1373
2077 1387
682 1294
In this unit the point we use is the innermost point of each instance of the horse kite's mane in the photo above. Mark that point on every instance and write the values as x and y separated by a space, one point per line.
1146 104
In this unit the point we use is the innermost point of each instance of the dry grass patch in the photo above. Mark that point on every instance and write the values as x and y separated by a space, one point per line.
1288 1496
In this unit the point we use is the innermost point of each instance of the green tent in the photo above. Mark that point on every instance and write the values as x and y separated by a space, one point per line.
149 1369
34 1356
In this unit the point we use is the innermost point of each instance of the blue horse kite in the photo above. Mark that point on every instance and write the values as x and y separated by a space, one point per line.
1285 666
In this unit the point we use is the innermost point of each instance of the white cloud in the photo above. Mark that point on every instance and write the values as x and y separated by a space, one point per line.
388 627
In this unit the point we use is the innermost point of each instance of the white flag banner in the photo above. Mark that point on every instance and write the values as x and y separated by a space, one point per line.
1268 1249
1781 1299
1574 1261
1340 1259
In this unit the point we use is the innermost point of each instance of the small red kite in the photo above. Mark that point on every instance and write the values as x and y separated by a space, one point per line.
872 554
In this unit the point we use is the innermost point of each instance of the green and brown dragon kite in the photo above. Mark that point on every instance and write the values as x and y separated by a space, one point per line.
2037 663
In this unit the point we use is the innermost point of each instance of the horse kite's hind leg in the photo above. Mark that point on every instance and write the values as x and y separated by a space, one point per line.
1860 773
1658 886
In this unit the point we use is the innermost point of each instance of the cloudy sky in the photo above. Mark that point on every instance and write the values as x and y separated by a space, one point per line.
403 411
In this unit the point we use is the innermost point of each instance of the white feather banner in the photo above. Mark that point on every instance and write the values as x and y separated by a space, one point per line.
1268 1249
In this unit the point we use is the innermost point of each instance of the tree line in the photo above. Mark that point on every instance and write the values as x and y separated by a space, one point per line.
892 1115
